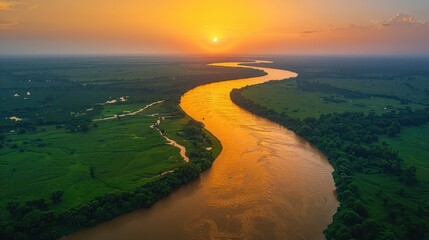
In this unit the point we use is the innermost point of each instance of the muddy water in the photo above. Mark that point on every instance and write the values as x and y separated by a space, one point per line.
173 143
266 184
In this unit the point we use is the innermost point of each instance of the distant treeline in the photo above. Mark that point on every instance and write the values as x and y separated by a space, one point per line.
37 220
311 86
350 141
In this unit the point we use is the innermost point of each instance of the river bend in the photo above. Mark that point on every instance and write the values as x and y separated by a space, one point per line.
267 183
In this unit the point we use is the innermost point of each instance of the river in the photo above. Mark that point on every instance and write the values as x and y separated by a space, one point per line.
267 183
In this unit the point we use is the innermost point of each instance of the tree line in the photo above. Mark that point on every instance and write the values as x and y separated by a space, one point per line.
315 86
350 141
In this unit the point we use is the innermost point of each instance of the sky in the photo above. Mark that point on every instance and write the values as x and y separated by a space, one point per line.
334 27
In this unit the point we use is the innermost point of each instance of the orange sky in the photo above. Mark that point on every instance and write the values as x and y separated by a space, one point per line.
241 27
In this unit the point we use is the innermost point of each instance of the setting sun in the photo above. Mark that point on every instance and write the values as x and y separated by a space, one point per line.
43 26
216 119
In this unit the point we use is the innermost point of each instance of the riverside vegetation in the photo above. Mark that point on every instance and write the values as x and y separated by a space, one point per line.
61 171
370 118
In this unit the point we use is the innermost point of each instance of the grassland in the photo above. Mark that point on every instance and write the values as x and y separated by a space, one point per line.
286 97
126 153
105 70
56 146
413 146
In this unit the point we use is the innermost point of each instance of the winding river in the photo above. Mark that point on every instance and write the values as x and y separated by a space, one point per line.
267 183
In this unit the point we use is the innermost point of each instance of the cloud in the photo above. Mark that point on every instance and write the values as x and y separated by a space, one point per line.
6 5
7 23
309 32
402 19
9 10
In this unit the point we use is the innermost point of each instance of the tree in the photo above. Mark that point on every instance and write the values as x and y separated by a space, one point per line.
350 218
370 229
343 233
92 171
410 175
360 208
84 127
56 196
416 230
38 203
12 207
393 129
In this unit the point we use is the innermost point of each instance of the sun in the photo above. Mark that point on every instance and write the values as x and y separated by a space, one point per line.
215 39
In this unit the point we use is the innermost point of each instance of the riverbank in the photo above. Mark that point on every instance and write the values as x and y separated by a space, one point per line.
258 188
350 142
157 179
56 159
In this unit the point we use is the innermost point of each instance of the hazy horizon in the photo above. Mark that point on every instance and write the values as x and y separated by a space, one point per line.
42 27
178 55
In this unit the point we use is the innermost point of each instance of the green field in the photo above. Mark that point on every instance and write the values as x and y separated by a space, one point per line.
102 70
46 90
388 188
401 87
126 153
413 146
285 97
57 147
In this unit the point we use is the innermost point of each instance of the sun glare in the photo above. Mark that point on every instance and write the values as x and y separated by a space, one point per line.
215 39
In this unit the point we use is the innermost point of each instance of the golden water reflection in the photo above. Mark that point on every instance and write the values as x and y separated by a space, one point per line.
266 184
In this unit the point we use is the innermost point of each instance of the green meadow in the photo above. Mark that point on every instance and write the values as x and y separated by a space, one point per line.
413 147
125 153
57 147
285 97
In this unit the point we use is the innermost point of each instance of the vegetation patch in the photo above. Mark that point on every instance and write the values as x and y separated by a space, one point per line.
379 155
62 171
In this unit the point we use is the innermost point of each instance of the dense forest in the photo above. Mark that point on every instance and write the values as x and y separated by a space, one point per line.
350 141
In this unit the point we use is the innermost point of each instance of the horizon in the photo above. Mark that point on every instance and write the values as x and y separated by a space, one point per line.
255 56
214 28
